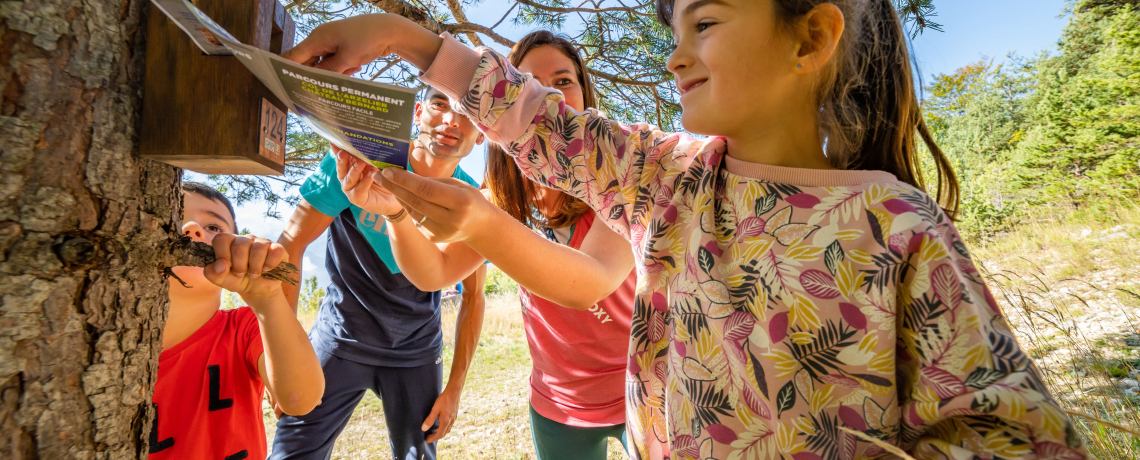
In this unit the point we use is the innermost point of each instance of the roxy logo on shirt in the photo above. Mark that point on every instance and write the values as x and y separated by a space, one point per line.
600 314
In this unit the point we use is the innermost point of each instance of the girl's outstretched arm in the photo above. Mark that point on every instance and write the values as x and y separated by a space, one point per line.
622 171
965 385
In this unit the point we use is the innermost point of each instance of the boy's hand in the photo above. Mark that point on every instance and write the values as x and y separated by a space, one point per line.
359 185
241 260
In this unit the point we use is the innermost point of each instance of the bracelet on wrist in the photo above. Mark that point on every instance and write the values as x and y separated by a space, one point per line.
397 217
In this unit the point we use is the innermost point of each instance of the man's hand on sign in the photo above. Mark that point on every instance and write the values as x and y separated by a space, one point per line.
357 180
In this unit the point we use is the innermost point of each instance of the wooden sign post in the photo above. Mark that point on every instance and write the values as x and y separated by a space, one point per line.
209 114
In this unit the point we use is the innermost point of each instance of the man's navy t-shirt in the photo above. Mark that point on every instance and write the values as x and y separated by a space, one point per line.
371 313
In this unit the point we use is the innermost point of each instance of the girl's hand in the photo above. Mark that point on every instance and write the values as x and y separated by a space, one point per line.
357 180
241 261
454 210
347 45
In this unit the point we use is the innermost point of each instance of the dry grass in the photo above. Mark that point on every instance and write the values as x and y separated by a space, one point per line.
493 418
1069 289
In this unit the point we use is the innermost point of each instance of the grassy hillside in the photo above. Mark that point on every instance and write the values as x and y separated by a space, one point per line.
1071 289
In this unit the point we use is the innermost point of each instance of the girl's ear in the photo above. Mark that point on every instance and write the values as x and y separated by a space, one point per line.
818 34
479 140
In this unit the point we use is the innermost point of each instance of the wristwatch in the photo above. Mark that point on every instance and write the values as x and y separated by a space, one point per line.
394 218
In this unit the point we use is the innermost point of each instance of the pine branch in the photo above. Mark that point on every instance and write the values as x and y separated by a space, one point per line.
457 12
198 254
625 9
919 13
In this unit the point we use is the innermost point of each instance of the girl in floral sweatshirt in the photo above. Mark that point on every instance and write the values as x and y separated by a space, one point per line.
795 278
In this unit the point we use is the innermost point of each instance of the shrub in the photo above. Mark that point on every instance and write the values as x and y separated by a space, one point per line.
499 283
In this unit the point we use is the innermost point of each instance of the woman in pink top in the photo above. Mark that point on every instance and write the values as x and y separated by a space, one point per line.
577 385
801 292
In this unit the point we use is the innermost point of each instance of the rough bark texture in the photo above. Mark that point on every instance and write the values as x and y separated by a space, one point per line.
85 229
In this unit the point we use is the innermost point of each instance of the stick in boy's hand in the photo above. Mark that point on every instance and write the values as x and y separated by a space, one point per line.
241 260
197 254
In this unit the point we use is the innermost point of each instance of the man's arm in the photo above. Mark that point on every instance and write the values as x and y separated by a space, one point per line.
468 325
305 225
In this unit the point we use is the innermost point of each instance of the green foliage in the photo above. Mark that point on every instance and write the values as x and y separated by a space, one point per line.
308 303
1082 148
311 296
230 300
499 283
978 116
1046 136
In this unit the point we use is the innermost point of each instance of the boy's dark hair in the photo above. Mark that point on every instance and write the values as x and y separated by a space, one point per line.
869 112
211 193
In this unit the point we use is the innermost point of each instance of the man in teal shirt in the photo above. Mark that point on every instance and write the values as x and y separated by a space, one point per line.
375 330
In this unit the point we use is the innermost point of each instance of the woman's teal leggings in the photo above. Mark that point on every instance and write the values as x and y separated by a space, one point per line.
555 441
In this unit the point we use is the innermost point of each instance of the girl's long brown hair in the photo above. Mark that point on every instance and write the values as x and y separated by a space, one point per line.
510 191
869 111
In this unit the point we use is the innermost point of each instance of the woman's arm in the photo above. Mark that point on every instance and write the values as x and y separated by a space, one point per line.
568 277
458 212
430 267
573 278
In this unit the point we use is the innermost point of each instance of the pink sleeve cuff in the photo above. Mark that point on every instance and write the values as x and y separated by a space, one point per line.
453 68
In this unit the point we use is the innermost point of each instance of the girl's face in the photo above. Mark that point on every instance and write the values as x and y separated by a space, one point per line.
553 69
734 67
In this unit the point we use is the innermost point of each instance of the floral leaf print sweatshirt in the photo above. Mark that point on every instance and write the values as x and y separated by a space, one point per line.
776 305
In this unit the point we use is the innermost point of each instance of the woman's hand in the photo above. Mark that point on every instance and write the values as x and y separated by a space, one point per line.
357 180
347 45
241 259
451 209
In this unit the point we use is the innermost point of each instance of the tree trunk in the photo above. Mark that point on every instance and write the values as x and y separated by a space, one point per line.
85 229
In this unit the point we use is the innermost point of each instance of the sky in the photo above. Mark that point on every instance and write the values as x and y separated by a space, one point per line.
972 30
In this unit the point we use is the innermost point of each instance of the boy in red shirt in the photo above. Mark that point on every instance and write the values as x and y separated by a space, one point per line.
216 364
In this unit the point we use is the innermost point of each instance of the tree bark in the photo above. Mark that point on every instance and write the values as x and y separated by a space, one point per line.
85 229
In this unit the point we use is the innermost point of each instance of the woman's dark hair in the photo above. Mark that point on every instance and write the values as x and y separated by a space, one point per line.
512 192
869 111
